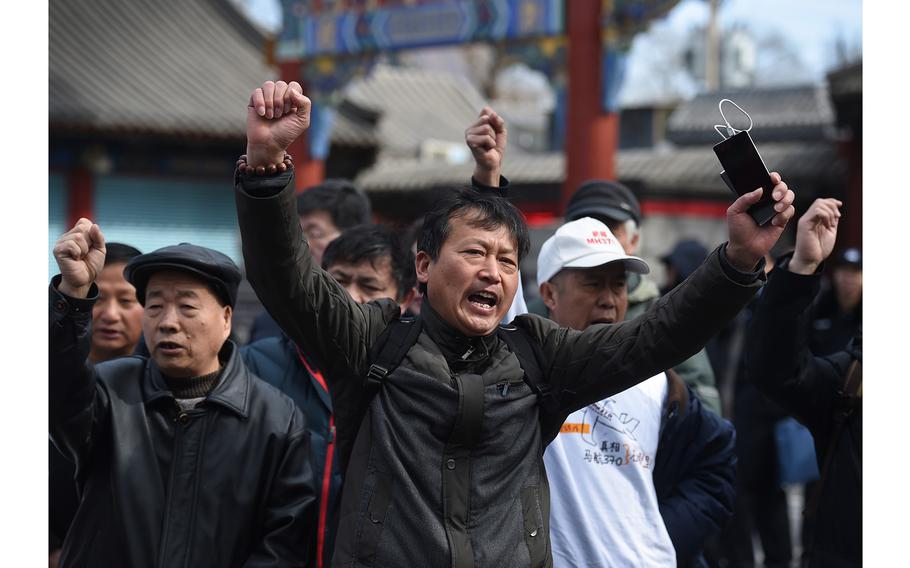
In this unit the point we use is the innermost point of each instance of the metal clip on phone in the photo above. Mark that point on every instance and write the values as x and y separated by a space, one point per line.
744 170
730 130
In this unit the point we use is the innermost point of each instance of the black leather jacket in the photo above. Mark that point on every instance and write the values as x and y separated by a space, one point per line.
227 483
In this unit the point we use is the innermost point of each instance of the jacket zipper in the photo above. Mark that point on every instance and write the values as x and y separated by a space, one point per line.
179 421
505 386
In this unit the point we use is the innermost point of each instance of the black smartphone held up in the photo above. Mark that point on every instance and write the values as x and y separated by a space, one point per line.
745 171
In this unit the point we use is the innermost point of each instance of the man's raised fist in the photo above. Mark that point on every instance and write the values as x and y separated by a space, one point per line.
487 138
276 115
80 256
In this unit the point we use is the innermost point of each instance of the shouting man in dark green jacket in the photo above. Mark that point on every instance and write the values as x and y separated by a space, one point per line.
445 458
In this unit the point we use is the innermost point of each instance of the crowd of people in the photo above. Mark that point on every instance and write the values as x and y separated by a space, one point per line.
399 404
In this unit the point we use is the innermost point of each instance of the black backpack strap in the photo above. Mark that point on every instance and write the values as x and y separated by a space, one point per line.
531 359
390 348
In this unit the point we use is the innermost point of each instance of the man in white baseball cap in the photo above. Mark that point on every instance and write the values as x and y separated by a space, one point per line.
573 267
641 478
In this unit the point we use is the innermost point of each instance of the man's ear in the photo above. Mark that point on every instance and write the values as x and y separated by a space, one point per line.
633 242
422 264
405 302
548 294
228 313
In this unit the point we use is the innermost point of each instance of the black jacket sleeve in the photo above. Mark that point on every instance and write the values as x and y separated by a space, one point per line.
501 191
309 305
79 405
586 366
777 356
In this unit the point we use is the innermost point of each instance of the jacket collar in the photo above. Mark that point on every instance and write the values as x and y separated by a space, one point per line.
232 391
455 345
677 394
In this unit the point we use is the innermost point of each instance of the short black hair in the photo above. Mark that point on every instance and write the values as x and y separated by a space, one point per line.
119 252
491 212
374 242
345 204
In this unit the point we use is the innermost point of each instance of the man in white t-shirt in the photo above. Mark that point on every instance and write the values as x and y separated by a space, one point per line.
643 477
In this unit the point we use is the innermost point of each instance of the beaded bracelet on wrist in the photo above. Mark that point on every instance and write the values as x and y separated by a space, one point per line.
244 168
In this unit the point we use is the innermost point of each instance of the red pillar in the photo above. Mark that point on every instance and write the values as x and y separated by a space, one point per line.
307 172
592 135
80 185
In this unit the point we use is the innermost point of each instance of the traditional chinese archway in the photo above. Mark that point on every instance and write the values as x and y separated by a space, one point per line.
581 45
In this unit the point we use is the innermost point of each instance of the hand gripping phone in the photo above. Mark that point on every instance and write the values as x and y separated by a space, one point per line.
745 171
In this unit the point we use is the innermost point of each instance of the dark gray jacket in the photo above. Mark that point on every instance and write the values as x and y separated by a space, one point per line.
227 483
429 485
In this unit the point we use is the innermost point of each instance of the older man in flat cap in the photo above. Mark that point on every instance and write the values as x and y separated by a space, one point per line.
185 458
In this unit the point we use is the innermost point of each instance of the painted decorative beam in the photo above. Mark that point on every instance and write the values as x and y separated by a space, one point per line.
308 32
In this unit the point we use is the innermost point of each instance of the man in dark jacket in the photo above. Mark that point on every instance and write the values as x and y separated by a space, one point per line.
813 389
654 444
370 262
116 330
446 455
183 459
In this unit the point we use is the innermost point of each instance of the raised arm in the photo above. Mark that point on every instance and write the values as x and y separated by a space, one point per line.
306 302
78 403
778 360
487 139
604 359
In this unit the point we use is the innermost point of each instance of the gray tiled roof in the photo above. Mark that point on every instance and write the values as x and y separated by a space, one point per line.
416 104
167 67
695 169
176 68
779 114
692 170
409 174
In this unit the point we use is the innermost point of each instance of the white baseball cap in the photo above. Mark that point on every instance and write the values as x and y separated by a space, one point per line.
583 243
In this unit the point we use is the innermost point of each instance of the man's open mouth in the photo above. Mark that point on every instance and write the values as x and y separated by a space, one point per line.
169 346
483 300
